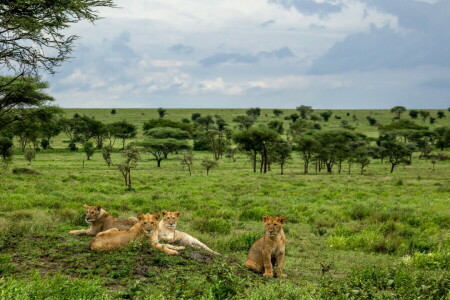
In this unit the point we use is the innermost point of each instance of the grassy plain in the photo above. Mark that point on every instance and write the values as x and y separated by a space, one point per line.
386 236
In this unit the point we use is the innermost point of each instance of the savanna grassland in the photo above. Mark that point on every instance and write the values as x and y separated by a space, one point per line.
384 236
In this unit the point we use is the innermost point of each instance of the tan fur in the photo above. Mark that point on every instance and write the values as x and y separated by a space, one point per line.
268 252
168 232
147 225
100 220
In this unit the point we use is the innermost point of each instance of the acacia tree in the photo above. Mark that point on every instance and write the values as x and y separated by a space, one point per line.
277 112
6 145
208 164
106 153
89 149
304 111
280 153
187 160
161 112
257 141
244 122
161 148
326 115
306 144
398 110
131 157
124 130
396 152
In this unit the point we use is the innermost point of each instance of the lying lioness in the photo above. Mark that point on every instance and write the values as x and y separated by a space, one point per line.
269 248
147 225
100 220
168 232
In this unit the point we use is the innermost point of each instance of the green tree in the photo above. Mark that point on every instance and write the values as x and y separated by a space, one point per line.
208 164
276 126
277 112
34 34
424 115
326 115
280 153
304 111
161 112
18 94
292 117
131 157
124 130
187 160
166 123
413 114
6 146
441 114
307 146
442 137
372 121
396 152
206 122
167 132
254 112
244 122
257 141
88 149
113 111
195 116
398 110
106 153
161 148
29 155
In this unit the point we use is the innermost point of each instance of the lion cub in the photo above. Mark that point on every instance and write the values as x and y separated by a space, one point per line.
147 225
167 232
268 252
100 220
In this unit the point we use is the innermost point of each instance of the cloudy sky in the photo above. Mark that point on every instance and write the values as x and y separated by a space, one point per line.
265 53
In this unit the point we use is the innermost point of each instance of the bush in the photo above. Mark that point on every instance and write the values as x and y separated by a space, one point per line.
73 147
213 225
391 283
242 242
254 214
45 144
25 171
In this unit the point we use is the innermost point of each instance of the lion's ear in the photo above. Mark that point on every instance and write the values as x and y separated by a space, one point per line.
140 217
164 212
178 214
156 216
97 207
86 206
281 219
265 218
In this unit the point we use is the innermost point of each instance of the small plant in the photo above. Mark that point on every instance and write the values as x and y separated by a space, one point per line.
433 162
113 111
73 147
131 158
30 155
208 164
89 149
161 112
187 160
106 153
45 144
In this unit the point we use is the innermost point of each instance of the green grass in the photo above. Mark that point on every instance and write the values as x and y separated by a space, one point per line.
384 240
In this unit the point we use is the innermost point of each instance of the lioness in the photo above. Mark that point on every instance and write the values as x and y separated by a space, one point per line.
269 250
100 220
167 232
147 225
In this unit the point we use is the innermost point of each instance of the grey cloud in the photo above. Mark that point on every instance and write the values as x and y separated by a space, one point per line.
427 41
284 52
181 49
436 83
310 7
120 44
221 58
267 23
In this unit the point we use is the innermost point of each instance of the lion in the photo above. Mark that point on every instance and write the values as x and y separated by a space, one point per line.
168 232
147 225
268 251
100 220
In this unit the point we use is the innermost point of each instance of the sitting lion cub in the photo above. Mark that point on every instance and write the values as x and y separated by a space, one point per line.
147 225
269 248
101 220
167 232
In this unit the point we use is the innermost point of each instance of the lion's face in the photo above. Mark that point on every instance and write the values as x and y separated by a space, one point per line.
92 213
148 222
170 219
273 224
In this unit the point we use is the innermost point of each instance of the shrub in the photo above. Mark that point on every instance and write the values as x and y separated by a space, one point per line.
73 146
213 225
25 171
45 144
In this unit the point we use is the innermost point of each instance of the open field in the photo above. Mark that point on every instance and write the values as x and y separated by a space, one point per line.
386 236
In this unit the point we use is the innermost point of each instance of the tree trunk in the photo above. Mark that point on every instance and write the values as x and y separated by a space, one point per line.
158 162
392 167
123 144
281 165
254 161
